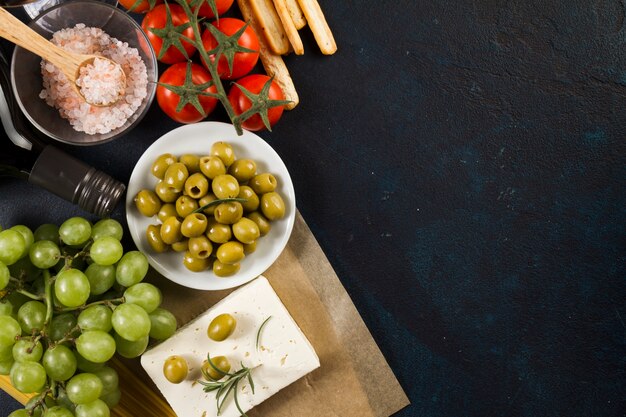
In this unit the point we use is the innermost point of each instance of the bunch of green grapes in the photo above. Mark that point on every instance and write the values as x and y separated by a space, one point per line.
70 298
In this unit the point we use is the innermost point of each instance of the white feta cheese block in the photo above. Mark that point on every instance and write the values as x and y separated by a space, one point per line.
284 354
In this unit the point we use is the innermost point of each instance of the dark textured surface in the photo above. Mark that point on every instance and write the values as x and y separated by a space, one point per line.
462 164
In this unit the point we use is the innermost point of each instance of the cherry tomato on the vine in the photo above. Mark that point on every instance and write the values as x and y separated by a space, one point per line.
142 5
157 19
221 5
254 83
168 100
243 62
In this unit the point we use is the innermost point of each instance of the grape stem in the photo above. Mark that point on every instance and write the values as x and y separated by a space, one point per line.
109 303
66 338
48 280
29 294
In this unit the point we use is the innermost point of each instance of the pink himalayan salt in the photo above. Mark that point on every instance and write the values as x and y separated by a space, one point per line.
59 93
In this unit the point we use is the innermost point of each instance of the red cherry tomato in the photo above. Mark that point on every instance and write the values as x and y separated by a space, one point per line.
142 7
221 5
254 83
156 19
168 100
243 62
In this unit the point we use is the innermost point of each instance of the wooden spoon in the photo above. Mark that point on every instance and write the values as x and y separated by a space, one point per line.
69 63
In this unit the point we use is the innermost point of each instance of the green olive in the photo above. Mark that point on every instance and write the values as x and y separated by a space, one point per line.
206 200
167 210
225 186
166 193
228 213
263 183
185 205
212 166
243 169
176 175
153 235
249 248
170 231
195 264
147 203
175 369
210 373
224 270
196 185
224 151
181 246
221 327
192 162
246 231
273 206
200 247
218 232
194 225
230 252
264 225
252 199
161 164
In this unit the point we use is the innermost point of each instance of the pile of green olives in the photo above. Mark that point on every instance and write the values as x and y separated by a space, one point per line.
211 208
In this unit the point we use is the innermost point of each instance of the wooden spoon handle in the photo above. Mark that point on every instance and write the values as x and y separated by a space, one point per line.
12 29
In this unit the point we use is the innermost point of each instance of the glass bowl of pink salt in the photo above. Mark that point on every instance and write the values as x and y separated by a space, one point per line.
54 105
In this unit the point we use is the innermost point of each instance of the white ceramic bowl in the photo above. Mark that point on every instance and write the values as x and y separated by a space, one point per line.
197 139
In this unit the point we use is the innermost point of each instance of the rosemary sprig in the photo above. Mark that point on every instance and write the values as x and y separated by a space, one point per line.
258 333
219 201
229 383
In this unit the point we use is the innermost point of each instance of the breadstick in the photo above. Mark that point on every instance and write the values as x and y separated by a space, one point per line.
319 26
273 64
270 25
288 25
295 11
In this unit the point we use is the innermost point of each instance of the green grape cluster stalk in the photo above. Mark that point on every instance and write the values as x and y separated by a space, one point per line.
70 299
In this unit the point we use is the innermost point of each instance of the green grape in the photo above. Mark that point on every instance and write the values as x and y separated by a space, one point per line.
31 316
64 401
96 317
96 408
20 413
6 307
112 399
163 324
107 227
24 350
57 411
28 377
96 346
129 349
83 388
12 246
6 353
131 269
61 325
5 366
131 322
106 251
71 287
145 295
9 330
47 231
75 231
44 254
109 378
24 270
85 365
26 233
101 278
5 275
59 362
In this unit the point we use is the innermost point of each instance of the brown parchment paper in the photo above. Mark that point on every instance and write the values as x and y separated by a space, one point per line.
354 379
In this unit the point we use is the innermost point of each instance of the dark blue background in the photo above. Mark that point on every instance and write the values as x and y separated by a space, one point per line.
462 165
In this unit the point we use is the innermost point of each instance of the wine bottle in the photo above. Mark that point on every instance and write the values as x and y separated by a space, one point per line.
63 175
